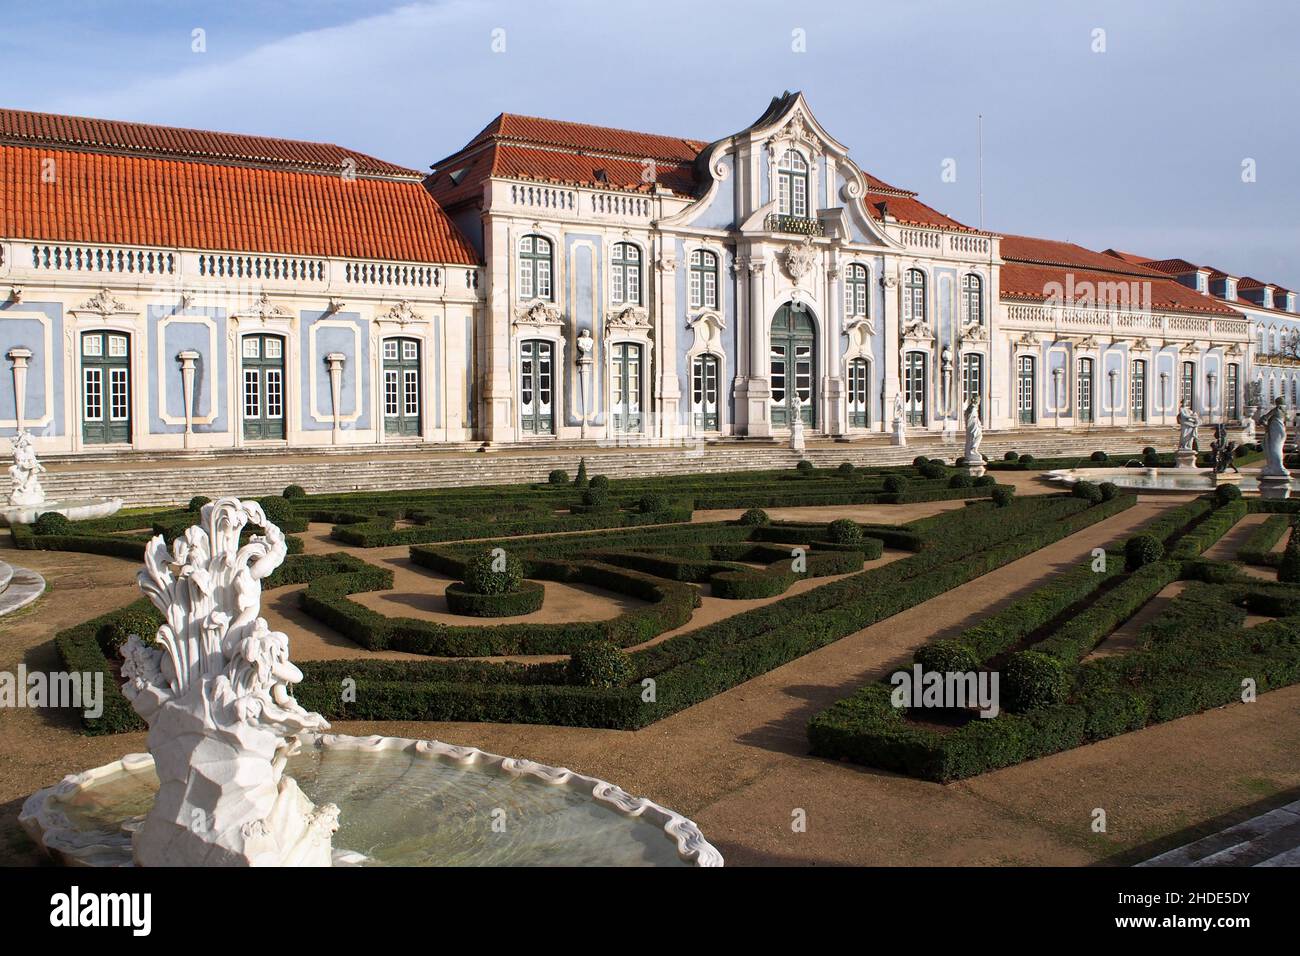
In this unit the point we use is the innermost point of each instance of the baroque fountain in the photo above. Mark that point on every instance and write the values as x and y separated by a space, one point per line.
1271 481
239 774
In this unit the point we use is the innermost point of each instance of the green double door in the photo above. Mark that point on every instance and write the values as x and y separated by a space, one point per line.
402 387
263 368
625 386
793 356
105 388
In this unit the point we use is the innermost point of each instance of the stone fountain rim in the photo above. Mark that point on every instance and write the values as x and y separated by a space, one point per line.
51 829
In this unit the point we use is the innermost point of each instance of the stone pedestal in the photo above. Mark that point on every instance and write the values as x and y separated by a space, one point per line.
1274 487
797 443
900 433
1185 459
975 471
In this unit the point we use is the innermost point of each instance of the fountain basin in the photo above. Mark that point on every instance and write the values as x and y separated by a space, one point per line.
76 509
1176 480
402 802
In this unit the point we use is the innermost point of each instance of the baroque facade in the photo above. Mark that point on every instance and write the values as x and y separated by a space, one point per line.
552 281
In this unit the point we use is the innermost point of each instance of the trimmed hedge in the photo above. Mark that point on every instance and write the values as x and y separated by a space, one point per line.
526 599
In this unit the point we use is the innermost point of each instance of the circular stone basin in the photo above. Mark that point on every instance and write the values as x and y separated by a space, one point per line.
403 803
1169 479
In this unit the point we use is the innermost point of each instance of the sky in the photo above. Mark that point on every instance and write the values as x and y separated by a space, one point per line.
1153 126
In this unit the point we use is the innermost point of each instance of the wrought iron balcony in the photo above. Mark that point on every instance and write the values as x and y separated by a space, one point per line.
798 225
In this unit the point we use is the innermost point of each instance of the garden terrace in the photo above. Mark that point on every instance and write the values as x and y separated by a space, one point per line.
1194 654
663 675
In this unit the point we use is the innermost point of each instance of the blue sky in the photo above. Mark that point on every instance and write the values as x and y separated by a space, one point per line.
1139 147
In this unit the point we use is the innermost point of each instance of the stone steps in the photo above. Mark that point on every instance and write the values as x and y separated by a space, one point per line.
1271 839
18 587
176 481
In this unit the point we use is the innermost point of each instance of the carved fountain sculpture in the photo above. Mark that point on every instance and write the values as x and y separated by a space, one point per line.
214 689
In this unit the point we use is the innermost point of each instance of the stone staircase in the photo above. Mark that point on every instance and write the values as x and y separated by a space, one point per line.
1271 839
154 481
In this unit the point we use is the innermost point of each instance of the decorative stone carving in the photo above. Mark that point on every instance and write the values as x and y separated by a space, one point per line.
918 329
797 441
214 687
666 262
263 310
1029 340
402 314
103 303
538 314
631 319
974 332
25 471
799 260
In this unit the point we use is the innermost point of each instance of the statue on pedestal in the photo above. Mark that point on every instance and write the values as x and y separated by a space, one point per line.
1274 422
1190 424
24 471
1223 450
974 433
796 426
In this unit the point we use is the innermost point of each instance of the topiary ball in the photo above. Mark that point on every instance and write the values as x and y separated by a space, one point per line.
1226 494
490 573
1026 458
1151 461
599 664
1011 456
558 477
895 484
1034 679
846 469
294 491
1003 495
755 517
595 497
844 531
197 503
1148 452
919 460
114 634
1086 490
51 522
1098 456
599 481
961 481
985 481
933 469
652 504
947 657
1141 550
805 467
1108 490
276 508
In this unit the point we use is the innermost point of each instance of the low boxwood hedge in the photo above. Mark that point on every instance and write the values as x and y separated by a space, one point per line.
526 599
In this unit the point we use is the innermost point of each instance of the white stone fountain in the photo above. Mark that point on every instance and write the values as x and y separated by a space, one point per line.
27 501
226 738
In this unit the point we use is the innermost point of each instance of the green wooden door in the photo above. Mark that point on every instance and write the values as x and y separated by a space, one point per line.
704 393
859 394
625 386
105 388
263 358
914 388
535 387
793 366
1025 388
401 386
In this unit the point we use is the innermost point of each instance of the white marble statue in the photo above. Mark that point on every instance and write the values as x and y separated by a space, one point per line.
797 442
214 686
1189 424
899 409
1274 422
24 471
974 433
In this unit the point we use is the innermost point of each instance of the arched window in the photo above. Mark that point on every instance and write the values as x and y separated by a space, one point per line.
626 274
972 299
792 184
855 291
914 296
704 280
535 267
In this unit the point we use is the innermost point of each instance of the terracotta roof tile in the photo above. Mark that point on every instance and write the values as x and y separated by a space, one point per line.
911 211
20 127
149 201
1030 282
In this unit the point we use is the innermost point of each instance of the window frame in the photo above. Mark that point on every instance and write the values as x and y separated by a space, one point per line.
536 268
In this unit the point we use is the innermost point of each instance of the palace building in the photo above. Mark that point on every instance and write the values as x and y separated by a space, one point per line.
552 281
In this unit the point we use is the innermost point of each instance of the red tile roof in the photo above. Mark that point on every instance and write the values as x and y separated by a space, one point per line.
150 201
1246 282
1030 282
575 154
1058 253
911 211
20 127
